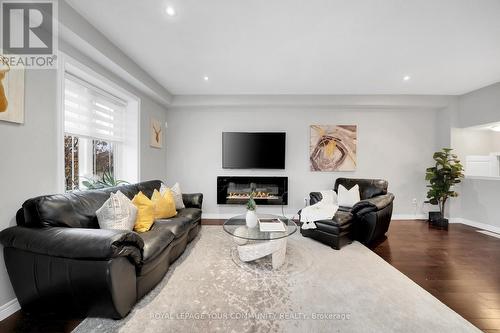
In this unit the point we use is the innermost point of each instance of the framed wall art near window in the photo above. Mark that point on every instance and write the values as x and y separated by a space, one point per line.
11 94
156 133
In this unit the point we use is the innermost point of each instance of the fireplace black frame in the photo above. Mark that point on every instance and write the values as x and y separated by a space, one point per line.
277 185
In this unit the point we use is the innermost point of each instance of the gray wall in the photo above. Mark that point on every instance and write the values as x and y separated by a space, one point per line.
28 155
480 106
395 144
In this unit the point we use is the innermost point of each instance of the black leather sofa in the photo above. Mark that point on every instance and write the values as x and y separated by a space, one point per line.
59 260
366 222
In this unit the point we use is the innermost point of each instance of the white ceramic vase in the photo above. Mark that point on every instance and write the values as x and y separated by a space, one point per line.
251 219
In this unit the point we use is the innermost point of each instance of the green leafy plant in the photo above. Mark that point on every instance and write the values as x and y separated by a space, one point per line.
442 177
251 205
106 180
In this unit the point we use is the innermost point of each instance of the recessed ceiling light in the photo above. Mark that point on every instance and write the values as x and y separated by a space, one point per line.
407 78
170 11
205 78
495 128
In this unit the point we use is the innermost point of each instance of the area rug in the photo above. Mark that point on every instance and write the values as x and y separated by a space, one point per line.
318 289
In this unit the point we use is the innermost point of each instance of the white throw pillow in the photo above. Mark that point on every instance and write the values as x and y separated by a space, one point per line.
118 212
348 198
176 190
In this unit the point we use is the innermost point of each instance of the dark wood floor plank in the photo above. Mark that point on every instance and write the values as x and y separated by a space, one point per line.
459 266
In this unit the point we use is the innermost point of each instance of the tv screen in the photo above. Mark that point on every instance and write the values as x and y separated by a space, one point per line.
253 150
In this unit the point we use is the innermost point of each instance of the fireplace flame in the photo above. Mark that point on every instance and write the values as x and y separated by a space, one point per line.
257 195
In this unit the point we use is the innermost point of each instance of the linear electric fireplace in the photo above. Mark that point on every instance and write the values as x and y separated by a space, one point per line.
267 190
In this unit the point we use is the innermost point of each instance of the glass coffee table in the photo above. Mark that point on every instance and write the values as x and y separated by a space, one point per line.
253 244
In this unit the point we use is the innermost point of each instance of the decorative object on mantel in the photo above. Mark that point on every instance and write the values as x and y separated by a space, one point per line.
11 93
251 217
446 173
156 133
333 148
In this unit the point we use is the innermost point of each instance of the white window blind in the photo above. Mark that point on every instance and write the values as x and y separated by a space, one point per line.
92 112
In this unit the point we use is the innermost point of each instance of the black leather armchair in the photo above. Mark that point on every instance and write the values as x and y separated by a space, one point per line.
366 222
59 260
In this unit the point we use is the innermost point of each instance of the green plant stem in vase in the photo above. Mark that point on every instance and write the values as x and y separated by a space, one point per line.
251 202
251 217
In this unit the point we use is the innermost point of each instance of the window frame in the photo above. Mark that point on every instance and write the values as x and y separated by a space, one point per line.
128 154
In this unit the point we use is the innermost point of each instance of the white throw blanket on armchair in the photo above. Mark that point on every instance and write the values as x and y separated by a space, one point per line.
322 210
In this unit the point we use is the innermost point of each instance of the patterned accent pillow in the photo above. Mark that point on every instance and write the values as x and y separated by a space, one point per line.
176 190
117 212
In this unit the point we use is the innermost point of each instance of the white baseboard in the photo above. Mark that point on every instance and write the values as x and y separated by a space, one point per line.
475 224
9 308
409 217
394 217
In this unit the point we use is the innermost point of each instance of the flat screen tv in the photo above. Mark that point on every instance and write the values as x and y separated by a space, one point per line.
241 150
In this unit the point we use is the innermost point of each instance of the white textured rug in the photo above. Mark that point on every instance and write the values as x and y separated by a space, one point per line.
317 290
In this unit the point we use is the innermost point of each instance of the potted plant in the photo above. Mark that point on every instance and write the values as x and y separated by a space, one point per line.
442 177
251 217
106 180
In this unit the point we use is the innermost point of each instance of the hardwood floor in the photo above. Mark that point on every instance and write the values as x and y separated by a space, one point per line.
20 322
460 267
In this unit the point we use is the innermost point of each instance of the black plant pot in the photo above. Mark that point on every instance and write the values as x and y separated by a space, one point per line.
434 216
440 223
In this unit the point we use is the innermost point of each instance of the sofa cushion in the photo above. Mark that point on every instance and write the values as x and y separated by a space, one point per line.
177 225
155 241
75 209
341 221
194 214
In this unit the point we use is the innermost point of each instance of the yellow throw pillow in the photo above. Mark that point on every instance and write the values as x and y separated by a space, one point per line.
164 204
145 212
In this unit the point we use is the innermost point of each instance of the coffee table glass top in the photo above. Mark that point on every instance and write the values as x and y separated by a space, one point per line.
236 226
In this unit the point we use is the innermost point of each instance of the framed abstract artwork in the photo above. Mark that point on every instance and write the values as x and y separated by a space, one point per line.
11 94
333 147
156 133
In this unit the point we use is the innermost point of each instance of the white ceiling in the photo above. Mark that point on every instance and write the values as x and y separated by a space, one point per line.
307 47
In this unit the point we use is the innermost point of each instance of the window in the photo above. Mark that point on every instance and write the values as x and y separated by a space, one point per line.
94 126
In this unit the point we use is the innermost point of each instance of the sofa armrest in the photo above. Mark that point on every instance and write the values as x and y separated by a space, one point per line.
373 204
315 197
192 200
75 243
